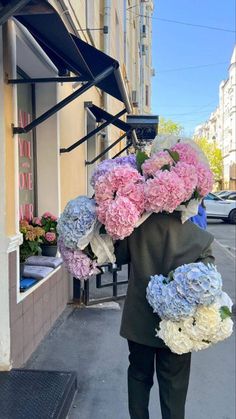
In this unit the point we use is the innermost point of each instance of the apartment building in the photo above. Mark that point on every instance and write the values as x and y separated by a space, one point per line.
221 126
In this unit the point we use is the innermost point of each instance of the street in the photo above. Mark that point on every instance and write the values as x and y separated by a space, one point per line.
225 234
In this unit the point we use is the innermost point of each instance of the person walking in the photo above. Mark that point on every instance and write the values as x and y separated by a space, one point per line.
159 245
200 218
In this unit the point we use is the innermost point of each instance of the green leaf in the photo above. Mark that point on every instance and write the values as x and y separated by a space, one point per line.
225 312
141 156
166 167
171 276
173 154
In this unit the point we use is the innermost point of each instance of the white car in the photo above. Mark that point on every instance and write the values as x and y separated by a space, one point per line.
223 209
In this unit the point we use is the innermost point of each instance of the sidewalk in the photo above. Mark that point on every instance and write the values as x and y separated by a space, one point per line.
86 340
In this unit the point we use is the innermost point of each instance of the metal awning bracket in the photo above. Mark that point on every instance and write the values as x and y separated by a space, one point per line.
64 102
92 133
48 80
107 149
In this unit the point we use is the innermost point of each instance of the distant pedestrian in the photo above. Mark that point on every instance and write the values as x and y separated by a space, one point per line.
200 218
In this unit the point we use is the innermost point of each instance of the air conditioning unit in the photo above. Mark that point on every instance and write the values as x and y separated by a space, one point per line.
144 31
135 98
143 50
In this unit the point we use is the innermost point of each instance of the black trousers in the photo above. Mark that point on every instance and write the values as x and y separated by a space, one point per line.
172 374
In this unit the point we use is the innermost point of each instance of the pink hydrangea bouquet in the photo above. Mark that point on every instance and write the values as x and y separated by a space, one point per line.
120 199
175 176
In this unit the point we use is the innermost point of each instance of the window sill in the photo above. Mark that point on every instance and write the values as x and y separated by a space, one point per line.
23 294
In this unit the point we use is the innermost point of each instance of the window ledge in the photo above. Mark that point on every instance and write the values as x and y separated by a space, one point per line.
22 295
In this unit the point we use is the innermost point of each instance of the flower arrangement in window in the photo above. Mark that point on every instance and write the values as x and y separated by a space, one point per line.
32 239
48 222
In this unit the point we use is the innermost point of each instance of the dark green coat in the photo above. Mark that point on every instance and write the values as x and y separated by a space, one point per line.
159 245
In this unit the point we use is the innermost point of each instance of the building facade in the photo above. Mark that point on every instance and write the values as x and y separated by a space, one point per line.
138 53
34 176
221 126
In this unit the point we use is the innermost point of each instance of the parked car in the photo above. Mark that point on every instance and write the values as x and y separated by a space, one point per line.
228 195
223 209
224 192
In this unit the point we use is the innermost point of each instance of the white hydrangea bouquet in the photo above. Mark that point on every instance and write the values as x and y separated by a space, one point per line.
195 313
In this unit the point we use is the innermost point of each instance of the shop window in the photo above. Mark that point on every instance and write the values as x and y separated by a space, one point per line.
26 150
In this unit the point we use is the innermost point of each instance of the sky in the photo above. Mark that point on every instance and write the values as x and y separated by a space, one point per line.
188 96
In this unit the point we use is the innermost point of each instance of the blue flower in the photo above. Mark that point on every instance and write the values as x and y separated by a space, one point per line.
77 220
165 301
198 283
178 295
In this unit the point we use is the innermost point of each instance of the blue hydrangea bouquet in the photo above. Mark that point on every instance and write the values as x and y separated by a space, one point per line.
194 311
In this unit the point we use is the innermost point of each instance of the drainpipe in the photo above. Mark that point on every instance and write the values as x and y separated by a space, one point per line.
106 40
66 12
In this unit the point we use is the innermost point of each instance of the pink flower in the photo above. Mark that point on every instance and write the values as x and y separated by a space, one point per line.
121 217
103 191
188 175
50 236
108 184
37 221
49 215
77 262
102 210
156 162
164 193
135 193
186 153
205 179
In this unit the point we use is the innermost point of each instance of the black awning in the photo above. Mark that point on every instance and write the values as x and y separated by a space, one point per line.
65 50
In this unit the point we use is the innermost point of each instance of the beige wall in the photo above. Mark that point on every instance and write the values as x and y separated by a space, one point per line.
32 318
8 64
72 128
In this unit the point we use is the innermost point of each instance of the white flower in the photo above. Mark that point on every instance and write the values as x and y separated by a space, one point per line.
199 345
225 330
174 336
163 141
206 323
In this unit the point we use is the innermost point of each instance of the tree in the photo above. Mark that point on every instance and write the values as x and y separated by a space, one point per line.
169 127
214 156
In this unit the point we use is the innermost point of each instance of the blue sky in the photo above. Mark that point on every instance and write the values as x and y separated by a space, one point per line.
189 96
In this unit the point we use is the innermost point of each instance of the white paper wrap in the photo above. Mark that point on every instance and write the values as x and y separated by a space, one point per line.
190 210
102 246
